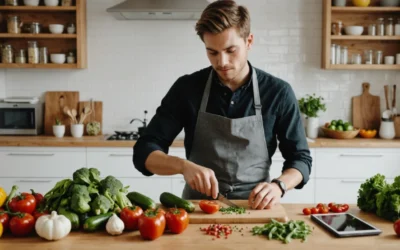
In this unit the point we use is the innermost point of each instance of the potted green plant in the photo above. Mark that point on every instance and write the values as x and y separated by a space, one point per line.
311 106
58 129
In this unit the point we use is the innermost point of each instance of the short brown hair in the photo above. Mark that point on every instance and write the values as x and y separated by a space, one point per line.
222 15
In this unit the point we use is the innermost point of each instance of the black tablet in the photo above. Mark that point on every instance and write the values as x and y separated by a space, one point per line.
345 225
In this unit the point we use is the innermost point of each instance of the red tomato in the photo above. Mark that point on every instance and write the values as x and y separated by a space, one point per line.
130 217
37 213
331 204
314 210
209 207
396 227
151 224
38 197
320 205
177 220
4 219
345 207
306 211
22 225
23 203
324 210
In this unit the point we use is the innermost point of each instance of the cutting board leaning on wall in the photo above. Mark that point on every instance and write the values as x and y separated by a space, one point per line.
366 109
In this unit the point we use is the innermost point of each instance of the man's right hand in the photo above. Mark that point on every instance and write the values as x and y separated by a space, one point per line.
200 178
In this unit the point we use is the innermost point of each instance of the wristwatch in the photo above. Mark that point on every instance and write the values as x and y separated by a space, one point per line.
281 185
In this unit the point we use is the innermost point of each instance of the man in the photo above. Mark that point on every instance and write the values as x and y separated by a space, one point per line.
232 114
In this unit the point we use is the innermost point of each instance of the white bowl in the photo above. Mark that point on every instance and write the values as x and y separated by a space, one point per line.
57 58
354 30
51 2
56 28
31 2
390 3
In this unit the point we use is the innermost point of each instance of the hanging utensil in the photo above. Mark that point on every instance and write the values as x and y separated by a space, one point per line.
394 109
387 114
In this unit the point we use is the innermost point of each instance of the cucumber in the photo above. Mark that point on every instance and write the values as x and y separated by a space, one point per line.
171 200
73 217
96 222
141 200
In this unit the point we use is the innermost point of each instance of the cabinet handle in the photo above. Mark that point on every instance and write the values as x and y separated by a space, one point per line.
14 154
348 155
34 181
351 181
120 155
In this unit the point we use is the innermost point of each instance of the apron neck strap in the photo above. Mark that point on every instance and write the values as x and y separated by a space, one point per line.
256 93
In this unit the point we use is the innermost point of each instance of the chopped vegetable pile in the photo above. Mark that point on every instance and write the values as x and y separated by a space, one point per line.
284 232
231 210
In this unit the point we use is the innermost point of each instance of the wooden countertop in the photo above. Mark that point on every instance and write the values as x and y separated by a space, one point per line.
100 141
194 239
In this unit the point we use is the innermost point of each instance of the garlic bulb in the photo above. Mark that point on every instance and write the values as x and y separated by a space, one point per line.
115 226
53 226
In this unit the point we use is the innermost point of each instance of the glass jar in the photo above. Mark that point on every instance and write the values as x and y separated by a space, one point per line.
369 56
333 54
14 25
20 56
380 27
71 57
33 52
66 3
397 28
344 55
71 28
11 2
389 27
372 30
378 57
43 55
356 59
7 54
337 57
35 28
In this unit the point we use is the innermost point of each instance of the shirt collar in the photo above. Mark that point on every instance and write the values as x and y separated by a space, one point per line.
243 87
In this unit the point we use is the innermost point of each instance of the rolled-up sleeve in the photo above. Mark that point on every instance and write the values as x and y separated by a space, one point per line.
292 139
162 129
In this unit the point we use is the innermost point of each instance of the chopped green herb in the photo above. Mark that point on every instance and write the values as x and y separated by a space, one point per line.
284 232
231 210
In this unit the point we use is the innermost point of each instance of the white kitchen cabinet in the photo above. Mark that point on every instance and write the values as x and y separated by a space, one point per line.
41 185
149 186
41 161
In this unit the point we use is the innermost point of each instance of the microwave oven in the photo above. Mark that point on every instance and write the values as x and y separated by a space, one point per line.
21 118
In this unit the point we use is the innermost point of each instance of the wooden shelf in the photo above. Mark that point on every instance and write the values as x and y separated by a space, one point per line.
352 9
366 38
38 36
364 66
38 8
39 66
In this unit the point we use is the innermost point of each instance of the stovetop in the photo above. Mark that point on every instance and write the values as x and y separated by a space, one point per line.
131 137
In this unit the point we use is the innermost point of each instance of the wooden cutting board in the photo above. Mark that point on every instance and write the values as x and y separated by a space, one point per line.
251 216
55 101
366 110
96 115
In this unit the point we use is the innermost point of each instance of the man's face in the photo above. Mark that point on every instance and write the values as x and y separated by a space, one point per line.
227 52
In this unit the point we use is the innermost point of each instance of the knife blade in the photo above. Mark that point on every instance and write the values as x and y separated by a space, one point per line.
224 200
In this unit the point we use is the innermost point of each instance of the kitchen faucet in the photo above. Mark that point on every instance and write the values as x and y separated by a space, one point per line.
144 122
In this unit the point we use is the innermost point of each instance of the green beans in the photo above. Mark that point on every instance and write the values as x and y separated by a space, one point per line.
284 232
230 210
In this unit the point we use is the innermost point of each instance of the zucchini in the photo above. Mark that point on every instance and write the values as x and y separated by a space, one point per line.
141 200
73 217
171 200
96 222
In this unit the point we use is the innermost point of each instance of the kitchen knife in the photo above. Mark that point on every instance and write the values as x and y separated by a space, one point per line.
224 200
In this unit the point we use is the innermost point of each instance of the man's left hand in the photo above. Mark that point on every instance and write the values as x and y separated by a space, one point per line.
265 195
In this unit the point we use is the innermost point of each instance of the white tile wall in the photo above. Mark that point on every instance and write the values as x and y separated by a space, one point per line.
132 64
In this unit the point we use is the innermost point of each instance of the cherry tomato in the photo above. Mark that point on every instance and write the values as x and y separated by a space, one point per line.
320 205
209 207
306 211
22 224
396 227
324 210
23 203
331 204
130 216
4 219
314 210
345 207
151 224
177 220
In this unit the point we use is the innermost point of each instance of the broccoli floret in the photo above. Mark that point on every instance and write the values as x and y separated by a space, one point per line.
367 194
94 175
100 205
114 190
80 199
82 176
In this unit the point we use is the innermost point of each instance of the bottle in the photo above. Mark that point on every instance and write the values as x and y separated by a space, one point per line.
333 54
344 55
338 54
33 52
71 57
389 27
380 27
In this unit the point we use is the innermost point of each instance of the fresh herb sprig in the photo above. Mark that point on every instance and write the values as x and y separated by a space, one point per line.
231 210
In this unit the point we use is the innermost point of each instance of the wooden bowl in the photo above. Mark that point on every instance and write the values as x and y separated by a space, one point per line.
340 134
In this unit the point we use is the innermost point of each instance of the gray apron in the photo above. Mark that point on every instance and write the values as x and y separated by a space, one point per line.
235 149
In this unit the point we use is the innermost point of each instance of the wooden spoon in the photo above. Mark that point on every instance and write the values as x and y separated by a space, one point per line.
74 114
